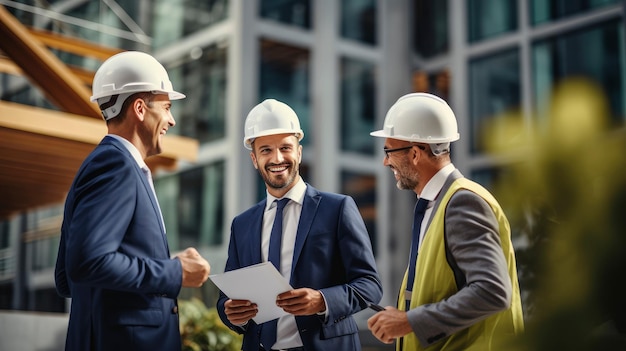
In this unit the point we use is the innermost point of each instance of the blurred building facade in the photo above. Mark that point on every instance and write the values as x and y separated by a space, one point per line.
340 65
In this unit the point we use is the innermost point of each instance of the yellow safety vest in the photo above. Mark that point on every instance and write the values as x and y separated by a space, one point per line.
434 281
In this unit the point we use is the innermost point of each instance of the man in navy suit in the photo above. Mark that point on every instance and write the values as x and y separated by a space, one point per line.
114 261
325 255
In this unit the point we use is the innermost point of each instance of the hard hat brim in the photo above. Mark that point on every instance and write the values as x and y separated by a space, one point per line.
382 134
379 133
247 142
173 95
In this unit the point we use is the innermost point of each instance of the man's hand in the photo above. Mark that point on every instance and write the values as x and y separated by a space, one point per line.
239 312
389 325
196 269
301 302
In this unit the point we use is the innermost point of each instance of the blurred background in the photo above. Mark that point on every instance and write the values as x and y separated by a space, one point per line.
538 88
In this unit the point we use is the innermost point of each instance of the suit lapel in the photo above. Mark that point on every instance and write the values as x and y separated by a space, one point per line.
312 199
256 230
144 181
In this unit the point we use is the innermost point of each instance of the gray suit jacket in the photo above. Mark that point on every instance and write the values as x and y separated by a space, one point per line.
475 254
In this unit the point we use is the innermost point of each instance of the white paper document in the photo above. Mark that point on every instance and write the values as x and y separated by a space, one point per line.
259 283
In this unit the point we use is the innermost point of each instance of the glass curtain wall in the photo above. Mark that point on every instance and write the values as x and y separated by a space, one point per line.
358 105
490 18
494 89
201 76
358 20
191 203
430 28
595 53
292 12
543 11
176 19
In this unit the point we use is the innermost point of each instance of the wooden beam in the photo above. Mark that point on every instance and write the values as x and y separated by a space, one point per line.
44 68
9 67
78 128
74 45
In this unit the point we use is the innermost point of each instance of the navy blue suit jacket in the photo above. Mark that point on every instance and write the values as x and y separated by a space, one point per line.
332 254
114 262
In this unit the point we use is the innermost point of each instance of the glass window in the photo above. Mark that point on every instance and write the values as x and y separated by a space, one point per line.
494 88
174 19
437 83
99 23
358 105
430 31
597 53
284 76
5 231
43 252
549 10
358 20
202 77
20 90
7 261
114 29
362 188
489 18
294 12
192 204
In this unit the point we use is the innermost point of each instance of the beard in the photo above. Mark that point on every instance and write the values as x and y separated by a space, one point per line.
406 180
279 181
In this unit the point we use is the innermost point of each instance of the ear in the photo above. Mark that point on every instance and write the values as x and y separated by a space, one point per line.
139 108
253 158
415 155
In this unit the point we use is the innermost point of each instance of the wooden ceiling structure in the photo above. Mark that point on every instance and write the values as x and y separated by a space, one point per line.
41 149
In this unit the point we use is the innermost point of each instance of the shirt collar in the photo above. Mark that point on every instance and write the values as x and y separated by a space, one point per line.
131 148
435 184
295 194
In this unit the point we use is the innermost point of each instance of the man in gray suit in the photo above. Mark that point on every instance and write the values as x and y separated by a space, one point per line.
460 291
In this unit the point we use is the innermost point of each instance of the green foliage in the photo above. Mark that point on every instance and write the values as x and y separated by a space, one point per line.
566 198
202 330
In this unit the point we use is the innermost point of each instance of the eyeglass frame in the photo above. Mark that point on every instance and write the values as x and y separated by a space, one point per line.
388 151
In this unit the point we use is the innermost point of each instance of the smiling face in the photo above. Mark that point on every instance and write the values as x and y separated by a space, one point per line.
400 163
156 121
277 158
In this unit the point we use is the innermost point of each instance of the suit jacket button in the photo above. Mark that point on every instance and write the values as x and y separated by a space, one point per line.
175 309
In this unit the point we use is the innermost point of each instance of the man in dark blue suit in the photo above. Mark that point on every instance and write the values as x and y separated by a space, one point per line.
114 261
326 254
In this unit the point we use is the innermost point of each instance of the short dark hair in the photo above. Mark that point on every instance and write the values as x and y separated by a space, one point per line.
147 96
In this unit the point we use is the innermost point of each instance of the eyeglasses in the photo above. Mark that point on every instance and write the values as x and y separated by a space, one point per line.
388 151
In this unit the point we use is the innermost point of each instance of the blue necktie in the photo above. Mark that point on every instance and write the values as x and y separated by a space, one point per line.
268 329
418 216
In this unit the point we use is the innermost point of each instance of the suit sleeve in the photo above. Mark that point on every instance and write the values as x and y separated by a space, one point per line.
362 280
104 203
474 241
232 263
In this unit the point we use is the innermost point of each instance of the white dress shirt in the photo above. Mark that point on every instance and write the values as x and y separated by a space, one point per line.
287 330
430 192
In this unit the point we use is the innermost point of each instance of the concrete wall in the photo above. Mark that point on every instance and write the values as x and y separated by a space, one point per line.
32 331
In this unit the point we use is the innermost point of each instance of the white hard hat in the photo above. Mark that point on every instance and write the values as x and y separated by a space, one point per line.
422 118
127 73
268 118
